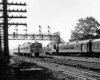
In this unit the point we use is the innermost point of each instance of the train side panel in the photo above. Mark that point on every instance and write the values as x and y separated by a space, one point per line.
15 50
80 47
96 47
25 49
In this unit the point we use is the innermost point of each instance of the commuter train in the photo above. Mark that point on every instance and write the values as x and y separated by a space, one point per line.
29 49
90 47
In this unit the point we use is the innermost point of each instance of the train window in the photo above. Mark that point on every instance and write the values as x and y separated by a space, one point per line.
71 47
36 46
95 45
32 45
67 48
98 45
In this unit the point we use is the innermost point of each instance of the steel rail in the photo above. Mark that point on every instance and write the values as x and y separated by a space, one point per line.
53 66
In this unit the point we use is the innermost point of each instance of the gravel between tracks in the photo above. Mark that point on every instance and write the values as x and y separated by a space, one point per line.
44 74
94 66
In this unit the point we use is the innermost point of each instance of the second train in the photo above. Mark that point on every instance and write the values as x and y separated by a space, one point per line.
90 47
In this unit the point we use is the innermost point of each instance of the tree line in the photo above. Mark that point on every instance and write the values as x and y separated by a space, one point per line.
88 28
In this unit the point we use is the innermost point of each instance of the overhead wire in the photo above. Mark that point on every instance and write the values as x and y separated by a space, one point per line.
26 7
28 4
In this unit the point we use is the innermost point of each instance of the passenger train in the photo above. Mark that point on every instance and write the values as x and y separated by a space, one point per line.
90 47
29 49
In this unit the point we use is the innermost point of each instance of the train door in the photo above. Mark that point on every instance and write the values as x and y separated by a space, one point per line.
82 48
90 47
57 49
32 48
36 47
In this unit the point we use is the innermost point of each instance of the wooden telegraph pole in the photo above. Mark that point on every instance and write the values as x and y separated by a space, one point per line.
1 52
5 20
5 23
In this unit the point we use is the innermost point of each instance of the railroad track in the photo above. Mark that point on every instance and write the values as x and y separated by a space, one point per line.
85 63
90 59
76 73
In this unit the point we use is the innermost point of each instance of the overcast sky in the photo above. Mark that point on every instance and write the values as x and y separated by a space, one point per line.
60 15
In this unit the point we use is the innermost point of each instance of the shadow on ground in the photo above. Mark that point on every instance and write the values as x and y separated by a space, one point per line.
43 74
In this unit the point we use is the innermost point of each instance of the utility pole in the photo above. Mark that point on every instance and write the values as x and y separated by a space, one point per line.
5 23
5 20
1 52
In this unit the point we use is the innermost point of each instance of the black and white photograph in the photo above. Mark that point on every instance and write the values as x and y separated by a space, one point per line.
49 40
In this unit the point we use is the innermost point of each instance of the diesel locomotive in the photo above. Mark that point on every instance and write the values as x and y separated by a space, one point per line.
29 49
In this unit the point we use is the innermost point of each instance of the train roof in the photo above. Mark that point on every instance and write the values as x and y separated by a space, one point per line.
74 42
63 43
95 40
81 41
27 43
68 43
84 41
36 42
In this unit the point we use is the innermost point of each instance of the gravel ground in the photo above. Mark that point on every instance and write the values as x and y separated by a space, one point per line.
44 74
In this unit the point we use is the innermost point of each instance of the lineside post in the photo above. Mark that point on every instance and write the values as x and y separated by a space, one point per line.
57 49
6 47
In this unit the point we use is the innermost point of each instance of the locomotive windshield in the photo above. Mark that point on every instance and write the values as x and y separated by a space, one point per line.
36 46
